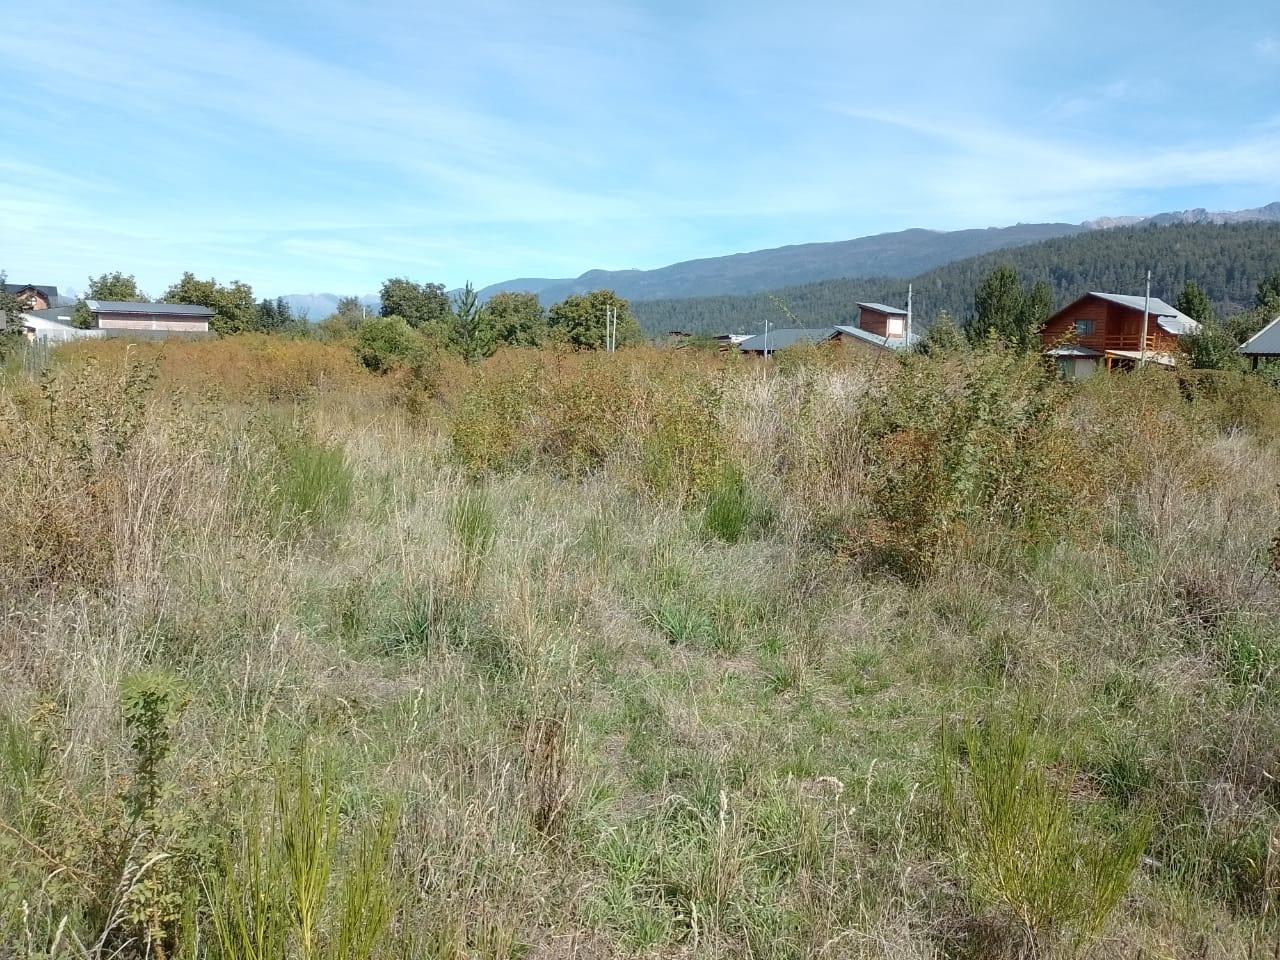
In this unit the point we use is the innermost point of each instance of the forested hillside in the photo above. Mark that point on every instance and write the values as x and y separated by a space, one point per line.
903 253
1226 260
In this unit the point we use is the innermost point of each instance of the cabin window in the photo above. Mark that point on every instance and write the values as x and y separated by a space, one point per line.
1085 328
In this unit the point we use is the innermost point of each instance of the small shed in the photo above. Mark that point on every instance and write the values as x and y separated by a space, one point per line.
882 320
168 318
1263 345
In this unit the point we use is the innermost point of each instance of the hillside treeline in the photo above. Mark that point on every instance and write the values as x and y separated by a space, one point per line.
1226 261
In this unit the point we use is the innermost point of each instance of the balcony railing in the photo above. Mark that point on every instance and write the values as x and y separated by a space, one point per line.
1117 341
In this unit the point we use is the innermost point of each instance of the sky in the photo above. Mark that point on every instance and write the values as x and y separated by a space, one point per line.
325 146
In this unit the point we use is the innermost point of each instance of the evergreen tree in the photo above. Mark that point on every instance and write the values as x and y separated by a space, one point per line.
999 308
1267 298
470 334
1194 303
943 336
11 332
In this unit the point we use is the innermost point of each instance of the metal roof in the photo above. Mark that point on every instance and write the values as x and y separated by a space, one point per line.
889 343
167 309
56 314
1264 343
785 337
882 308
1169 318
50 292
1070 351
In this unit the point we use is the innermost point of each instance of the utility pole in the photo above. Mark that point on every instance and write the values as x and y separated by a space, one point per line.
1146 312
766 336
908 315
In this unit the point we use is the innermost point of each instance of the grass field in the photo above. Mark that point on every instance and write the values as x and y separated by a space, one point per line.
643 655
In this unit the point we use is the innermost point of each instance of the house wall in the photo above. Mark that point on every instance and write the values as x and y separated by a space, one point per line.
35 300
1115 328
891 326
152 321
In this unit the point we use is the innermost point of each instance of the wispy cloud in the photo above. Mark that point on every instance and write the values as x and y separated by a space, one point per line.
300 144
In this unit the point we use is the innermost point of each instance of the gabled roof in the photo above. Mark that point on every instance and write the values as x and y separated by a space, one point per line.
882 308
50 292
888 343
1264 343
785 337
167 309
1170 319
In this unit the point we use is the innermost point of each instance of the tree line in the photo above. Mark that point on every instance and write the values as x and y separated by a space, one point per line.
1225 261
417 317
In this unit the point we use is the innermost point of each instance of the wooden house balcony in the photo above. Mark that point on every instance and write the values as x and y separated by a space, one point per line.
1117 341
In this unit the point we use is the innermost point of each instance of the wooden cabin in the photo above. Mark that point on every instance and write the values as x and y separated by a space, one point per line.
1104 331
33 296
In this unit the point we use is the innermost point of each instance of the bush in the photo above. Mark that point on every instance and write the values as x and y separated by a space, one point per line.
385 343
1021 848
963 445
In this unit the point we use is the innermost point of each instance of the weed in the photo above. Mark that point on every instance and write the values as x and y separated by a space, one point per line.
1020 847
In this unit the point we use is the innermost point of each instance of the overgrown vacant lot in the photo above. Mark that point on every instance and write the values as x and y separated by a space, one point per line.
634 655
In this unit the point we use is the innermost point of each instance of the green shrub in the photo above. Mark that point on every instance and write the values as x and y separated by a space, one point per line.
963 445
1021 848
385 343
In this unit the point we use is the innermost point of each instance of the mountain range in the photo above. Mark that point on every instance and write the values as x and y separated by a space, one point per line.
902 254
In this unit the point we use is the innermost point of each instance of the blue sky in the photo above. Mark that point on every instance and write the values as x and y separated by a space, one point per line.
324 146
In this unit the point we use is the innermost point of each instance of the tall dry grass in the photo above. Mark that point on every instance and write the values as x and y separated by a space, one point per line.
641 655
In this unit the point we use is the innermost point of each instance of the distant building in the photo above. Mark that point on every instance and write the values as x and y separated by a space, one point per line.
887 323
766 344
33 296
1104 331
167 318
53 326
880 328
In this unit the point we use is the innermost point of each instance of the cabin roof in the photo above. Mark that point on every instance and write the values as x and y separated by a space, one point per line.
167 309
50 292
1169 318
1264 343
882 308
889 343
785 337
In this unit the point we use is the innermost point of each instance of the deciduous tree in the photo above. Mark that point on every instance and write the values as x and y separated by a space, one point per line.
579 320
424 306
516 319
235 310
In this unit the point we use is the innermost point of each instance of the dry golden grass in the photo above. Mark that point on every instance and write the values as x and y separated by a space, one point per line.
599 656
